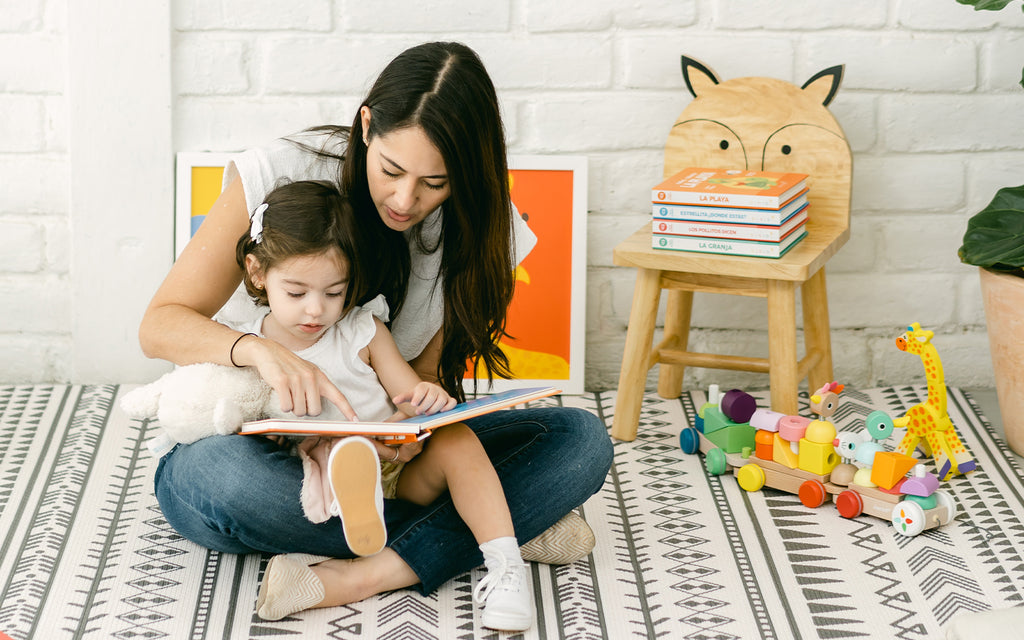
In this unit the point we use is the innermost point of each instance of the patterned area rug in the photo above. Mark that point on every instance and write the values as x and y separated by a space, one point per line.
85 552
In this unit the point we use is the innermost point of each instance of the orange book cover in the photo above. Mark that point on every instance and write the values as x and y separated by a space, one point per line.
730 188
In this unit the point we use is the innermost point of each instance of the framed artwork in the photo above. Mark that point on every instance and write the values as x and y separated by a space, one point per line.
546 320
196 187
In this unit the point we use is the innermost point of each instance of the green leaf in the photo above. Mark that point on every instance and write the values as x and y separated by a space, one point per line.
986 5
995 235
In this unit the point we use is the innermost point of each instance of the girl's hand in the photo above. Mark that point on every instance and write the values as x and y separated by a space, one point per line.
299 384
426 398
398 453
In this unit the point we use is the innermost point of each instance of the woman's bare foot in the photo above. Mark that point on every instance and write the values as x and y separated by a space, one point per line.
348 581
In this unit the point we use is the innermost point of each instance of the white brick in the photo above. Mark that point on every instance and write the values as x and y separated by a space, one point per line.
962 123
439 16
58 245
21 16
921 244
546 16
807 16
867 300
21 123
925 63
907 183
42 303
604 232
210 66
328 65
946 16
857 114
1002 62
34 184
599 121
989 172
210 125
620 182
851 358
34 358
240 15
45 74
653 61
548 62
655 14
970 308
55 124
24 247
860 253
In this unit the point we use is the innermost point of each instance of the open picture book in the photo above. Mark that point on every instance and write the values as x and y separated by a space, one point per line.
408 430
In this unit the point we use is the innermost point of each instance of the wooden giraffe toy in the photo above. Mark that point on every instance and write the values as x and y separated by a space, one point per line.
928 423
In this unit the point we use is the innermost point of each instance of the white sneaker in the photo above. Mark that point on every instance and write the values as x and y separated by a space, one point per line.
505 594
354 472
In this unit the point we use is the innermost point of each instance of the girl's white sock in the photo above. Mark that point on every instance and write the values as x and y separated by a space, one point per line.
501 548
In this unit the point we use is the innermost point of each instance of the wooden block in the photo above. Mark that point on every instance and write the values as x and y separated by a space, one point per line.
733 438
890 467
783 454
817 457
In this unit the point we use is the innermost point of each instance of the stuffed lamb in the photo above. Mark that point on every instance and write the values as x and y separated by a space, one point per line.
200 400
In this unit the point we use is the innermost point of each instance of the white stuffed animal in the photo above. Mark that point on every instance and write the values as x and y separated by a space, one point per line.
200 400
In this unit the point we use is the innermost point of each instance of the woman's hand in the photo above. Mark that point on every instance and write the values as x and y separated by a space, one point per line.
426 398
398 453
299 384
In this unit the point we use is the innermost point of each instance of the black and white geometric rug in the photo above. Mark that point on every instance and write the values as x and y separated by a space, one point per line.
85 552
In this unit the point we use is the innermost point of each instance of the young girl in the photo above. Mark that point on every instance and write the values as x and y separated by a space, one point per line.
298 262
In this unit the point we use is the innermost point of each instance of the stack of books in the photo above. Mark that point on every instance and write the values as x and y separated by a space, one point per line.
735 212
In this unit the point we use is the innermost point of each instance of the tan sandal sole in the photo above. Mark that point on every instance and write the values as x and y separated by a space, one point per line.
355 474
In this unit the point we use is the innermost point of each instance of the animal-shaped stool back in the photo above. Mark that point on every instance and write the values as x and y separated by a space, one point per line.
768 125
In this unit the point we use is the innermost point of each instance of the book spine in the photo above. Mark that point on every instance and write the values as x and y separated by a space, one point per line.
717 214
722 246
724 231
663 196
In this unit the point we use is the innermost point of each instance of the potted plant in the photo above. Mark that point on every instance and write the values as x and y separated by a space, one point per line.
994 242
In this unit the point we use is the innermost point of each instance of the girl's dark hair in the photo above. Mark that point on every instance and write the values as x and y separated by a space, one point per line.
443 88
309 218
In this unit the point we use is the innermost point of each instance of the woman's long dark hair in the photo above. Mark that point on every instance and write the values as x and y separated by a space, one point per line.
443 88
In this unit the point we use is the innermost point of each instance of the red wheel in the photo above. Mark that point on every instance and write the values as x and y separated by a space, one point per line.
812 494
850 504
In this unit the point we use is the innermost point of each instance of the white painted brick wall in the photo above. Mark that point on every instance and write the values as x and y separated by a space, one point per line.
930 103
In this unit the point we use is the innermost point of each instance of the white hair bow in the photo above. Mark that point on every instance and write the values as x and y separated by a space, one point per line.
256 223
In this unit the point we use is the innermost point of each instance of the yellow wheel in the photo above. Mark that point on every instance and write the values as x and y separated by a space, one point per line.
751 477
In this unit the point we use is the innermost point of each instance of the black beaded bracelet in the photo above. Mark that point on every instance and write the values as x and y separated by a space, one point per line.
231 353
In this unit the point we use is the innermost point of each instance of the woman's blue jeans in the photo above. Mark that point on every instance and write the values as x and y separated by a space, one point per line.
240 494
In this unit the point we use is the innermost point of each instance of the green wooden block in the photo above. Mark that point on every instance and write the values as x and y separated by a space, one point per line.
733 438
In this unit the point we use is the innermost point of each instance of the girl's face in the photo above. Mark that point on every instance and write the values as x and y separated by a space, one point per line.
406 175
306 296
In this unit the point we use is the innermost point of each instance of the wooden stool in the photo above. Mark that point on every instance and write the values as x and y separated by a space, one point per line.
758 123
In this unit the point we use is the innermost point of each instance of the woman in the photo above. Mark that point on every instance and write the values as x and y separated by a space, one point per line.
425 156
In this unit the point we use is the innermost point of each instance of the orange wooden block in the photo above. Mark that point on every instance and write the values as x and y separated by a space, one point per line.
890 467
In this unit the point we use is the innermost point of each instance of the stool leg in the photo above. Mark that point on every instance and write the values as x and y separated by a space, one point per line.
677 329
782 371
817 334
636 356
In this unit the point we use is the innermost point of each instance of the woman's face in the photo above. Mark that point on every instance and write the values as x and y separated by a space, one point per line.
406 175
